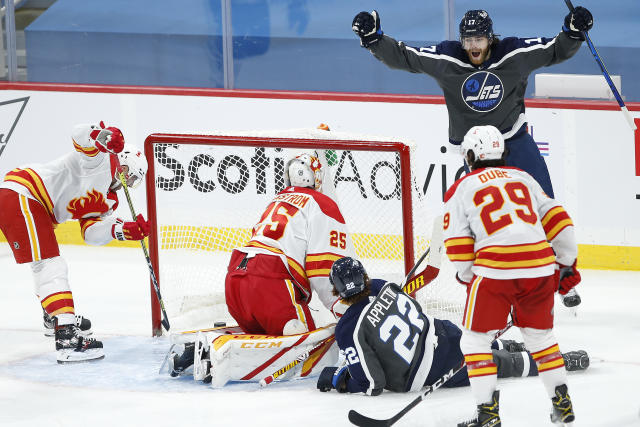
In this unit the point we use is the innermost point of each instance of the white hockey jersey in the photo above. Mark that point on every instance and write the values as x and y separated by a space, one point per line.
499 224
74 186
305 228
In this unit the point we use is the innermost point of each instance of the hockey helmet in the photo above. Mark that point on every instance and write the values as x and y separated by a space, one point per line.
486 143
136 164
348 277
304 170
476 23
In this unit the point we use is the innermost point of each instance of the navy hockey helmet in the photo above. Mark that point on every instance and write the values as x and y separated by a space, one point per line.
476 23
348 277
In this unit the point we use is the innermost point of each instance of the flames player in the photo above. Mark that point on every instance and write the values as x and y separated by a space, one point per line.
512 247
79 186
388 342
483 78
300 234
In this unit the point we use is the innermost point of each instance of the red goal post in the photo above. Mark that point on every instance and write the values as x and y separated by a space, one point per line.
205 192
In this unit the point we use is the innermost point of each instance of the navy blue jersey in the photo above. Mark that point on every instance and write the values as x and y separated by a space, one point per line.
489 94
387 341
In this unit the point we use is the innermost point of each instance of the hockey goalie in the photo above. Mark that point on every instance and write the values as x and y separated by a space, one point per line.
268 288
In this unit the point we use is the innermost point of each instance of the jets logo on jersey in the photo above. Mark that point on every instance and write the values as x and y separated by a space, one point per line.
482 91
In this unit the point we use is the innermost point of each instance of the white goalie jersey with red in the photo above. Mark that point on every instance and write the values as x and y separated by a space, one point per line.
306 229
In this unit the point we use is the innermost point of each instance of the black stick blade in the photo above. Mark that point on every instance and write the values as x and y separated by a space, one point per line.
363 421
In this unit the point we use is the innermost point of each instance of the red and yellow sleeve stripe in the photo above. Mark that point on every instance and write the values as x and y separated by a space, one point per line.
87 151
480 364
549 358
556 220
29 179
516 256
318 265
460 248
85 223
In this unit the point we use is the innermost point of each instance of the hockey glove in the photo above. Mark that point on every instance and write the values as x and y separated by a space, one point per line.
331 377
577 21
107 140
569 278
137 230
367 26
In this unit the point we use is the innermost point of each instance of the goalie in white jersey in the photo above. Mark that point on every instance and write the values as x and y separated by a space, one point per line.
79 186
299 236
512 247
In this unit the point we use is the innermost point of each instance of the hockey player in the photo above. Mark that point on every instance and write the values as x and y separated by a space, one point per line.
507 239
79 186
484 79
388 342
299 236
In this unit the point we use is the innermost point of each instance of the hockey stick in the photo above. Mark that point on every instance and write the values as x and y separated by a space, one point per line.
301 358
154 280
419 281
362 420
605 73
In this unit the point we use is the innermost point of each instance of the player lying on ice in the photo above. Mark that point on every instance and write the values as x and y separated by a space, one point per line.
270 281
387 342
79 186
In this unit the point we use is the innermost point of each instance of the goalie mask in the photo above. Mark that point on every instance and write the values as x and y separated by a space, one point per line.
486 143
348 277
136 164
304 170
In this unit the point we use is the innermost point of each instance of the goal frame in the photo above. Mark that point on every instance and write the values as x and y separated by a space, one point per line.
403 150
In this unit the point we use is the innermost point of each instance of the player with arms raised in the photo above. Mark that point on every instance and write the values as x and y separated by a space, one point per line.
299 236
507 240
79 186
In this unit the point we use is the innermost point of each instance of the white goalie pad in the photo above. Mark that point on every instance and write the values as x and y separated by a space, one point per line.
228 356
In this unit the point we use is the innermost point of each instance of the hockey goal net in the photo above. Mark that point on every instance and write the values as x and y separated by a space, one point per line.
206 192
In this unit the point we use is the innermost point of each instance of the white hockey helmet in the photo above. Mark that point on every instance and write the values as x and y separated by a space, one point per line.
304 170
486 143
136 164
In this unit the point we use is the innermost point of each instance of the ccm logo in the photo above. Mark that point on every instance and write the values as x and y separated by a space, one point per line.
261 344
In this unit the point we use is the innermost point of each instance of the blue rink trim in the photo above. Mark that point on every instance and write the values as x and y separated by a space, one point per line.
130 363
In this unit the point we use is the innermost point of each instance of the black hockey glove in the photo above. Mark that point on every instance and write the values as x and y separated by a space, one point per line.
367 26
331 378
577 21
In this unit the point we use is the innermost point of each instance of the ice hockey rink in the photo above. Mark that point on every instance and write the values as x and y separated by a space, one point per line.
110 286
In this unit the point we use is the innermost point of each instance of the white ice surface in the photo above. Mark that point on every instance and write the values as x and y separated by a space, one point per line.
110 286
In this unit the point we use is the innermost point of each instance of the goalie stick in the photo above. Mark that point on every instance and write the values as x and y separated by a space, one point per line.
605 73
362 420
154 280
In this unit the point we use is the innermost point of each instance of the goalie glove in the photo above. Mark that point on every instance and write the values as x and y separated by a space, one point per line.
107 140
577 21
137 230
569 278
367 26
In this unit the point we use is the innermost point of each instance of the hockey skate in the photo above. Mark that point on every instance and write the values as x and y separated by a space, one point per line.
487 415
562 411
82 323
73 347
576 360
181 362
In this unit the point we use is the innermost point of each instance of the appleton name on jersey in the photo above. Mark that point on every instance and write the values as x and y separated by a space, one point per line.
489 94
387 341
305 228
489 209
74 186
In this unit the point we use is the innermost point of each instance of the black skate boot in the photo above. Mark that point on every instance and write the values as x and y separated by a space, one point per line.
82 323
513 346
562 412
179 363
576 360
73 347
487 414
